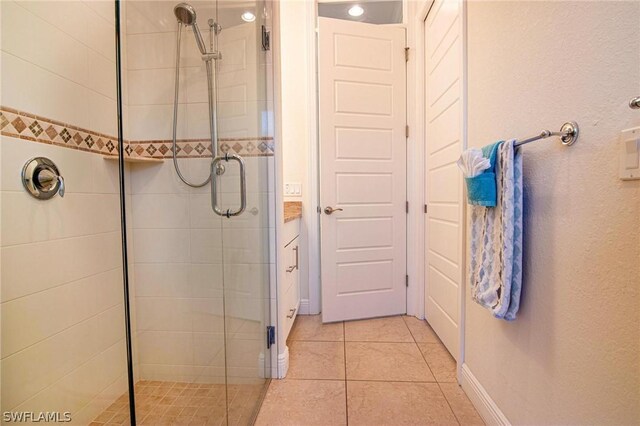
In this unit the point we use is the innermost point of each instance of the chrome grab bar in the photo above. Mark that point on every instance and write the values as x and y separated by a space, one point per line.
214 186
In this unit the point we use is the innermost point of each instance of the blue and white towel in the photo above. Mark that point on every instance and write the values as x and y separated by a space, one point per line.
495 269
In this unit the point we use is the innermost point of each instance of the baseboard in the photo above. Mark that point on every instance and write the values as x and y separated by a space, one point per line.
283 363
491 414
304 307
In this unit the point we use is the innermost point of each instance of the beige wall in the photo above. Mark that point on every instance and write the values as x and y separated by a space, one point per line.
63 345
572 356
295 61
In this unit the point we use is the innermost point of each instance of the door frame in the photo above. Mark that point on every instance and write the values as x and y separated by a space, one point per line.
314 232
415 292
418 83
414 15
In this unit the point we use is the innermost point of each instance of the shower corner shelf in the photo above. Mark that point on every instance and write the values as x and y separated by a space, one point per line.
147 160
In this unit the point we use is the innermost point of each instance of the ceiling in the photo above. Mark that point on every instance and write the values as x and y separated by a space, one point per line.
375 11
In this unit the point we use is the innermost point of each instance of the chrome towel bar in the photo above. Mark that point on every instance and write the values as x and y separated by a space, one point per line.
568 135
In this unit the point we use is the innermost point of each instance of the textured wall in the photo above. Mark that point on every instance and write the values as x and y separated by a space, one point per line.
572 356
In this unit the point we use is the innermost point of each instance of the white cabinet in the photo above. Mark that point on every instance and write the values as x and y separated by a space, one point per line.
290 290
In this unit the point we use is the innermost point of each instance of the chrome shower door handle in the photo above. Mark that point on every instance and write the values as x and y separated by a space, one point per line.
214 186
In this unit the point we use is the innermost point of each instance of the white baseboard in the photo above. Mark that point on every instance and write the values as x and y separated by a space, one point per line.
283 363
304 307
487 408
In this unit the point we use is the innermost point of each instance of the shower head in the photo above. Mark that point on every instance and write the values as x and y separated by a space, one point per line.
185 13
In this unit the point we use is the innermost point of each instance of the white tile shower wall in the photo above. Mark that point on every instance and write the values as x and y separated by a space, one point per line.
64 53
63 319
242 96
62 344
183 254
178 276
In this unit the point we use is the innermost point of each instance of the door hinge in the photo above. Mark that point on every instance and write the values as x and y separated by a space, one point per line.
425 208
406 131
406 280
406 54
271 335
266 39
407 207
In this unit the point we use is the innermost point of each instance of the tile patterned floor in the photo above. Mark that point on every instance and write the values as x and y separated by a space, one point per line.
175 403
384 371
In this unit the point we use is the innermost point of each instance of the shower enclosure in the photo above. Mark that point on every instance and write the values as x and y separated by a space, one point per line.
139 290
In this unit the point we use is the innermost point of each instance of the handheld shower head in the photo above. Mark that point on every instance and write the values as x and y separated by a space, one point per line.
185 13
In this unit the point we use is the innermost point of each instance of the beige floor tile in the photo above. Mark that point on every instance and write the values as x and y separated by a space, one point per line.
304 402
440 361
392 403
390 329
311 328
400 362
421 330
316 360
460 404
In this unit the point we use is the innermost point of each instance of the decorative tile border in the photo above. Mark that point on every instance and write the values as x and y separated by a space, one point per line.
26 126
197 148
23 125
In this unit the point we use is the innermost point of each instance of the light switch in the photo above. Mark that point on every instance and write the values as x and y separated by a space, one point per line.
293 189
630 154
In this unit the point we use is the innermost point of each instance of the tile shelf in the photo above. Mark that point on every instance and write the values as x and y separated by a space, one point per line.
134 159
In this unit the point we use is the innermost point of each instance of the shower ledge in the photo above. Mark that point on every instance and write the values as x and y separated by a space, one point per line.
134 159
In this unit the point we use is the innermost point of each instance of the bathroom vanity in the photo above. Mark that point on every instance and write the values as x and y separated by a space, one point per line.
290 263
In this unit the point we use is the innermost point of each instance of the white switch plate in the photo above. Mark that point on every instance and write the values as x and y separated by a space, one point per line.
630 154
293 189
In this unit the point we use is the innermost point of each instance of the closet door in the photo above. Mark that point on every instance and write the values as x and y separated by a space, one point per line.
444 143
362 94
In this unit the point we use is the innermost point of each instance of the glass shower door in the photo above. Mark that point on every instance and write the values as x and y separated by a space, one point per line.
201 251
246 186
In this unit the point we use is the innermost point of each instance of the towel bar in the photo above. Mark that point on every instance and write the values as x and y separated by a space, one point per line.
568 134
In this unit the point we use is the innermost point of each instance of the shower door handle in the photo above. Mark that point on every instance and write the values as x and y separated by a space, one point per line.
214 186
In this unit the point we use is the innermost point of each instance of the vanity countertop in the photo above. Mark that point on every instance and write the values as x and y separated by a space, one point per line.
292 210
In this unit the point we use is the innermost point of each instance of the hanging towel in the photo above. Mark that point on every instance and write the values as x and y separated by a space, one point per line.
495 269
478 167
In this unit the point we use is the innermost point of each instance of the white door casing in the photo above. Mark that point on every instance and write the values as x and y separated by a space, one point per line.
362 119
443 43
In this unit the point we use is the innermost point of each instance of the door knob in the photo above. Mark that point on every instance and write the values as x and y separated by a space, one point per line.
329 210
635 103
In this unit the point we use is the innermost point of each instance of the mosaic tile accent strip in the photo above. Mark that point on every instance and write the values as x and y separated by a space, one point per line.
197 148
27 126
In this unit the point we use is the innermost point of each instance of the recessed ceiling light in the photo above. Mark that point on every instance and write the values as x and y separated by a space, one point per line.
248 17
356 11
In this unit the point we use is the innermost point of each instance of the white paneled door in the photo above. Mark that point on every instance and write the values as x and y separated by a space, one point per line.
444 114
362 117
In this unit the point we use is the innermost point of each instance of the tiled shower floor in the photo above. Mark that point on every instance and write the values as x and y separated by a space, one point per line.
175 403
